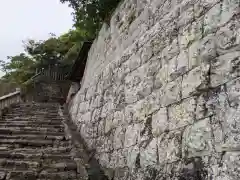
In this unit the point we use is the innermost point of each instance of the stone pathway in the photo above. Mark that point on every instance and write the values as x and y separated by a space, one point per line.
34 145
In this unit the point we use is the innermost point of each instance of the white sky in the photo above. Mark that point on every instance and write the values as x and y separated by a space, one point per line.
34 19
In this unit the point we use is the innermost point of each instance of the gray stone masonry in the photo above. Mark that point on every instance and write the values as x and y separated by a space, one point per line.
37 142
160 98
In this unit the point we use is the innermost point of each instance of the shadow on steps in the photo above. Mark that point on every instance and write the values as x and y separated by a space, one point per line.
93 168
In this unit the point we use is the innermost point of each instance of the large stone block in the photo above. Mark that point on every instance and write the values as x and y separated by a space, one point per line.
107 109
231 125
207 49
133 156
138 85
147 106
171 51
182 63
161 78
195 80
160 122
201 107
119 138
194 55
118 159
133 63
84 106
182 114
87 117
145 87
132 135
96 115
148 155
172 92
139 111
118 118
228 37
104 159
159 42
186 12
225 68
146 53
230 167
233 91
229 9
90 92
172 69
109 123
169 147
197 139
203 6
108 95
212 19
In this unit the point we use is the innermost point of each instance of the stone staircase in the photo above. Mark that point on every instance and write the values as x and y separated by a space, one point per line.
36 143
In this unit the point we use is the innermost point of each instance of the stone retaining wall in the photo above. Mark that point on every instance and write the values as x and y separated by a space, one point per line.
160 94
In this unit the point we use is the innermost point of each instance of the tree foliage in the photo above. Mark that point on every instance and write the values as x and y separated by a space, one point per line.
90 14
39 54
59 51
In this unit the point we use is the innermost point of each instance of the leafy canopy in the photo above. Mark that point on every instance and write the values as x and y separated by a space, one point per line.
90 14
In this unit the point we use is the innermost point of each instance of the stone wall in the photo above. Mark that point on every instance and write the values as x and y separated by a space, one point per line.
160 94
45 89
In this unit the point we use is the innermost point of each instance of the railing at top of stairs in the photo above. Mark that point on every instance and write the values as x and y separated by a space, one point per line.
16 97
9 99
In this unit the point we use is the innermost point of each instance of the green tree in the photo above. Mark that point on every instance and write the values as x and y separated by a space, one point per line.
90 14
55 51
18 68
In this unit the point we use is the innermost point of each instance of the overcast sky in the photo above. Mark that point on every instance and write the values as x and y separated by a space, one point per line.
34 19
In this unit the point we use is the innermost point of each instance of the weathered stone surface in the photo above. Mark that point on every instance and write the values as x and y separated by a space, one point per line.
172 92
230 168
182 114
227 37
169 147
195 80
198 139
166 87
233 91
160 122
119 138
133 156
212 19
44 152
148 155
225 68
229 9
118 159
161 77
132 135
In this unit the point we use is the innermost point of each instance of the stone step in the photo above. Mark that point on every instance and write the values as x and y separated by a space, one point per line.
46 150
27 130
59 166
24 122
19 143
33 125
34 156
33 137
30 118
19 164
50 166
67 175
21 132
17 174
